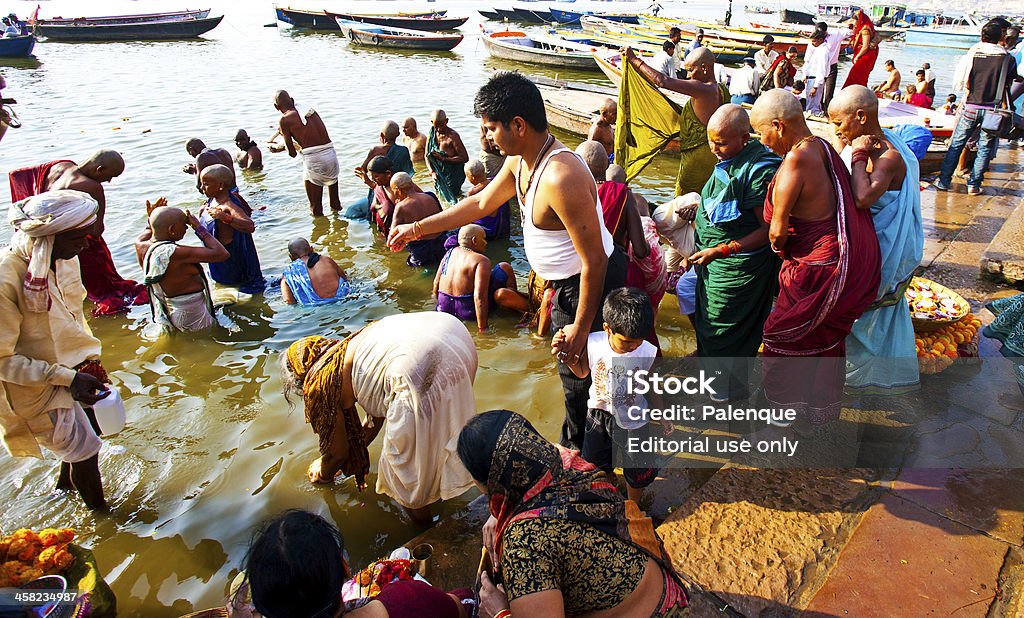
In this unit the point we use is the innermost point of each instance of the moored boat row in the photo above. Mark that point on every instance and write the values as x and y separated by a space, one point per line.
435 21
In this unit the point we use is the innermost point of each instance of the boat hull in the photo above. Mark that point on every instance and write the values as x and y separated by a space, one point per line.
928 38
146 31
424 24
126 19
531 16
17 46
401 41
309 20
491 15
519 53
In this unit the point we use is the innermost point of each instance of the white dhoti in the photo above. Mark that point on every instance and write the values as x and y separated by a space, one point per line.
187 313
416 370
73 439
320 165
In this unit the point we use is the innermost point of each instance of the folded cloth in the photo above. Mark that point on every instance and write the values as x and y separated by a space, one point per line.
426 252
297 277
676 231
73 439
320 165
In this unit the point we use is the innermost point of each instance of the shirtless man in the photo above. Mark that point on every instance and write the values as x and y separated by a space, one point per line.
387 147
205 157
249 156
490 155
466 285
446 154
603 128
319 160
696 162
565 239
311 269
891 85
412 205
178 291
228 216
415 141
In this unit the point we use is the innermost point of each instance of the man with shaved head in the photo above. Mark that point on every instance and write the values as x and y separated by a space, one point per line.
228 217
311 278
412 205
466 285
110 291
602 129
415 141
830 261
319 159
706 95
736 270
249 156
178 290
880 353
446 155
205 157
401 161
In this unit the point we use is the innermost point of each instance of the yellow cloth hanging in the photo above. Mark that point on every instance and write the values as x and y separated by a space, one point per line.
647 121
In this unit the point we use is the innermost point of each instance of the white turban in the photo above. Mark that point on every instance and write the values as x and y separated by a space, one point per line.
36 220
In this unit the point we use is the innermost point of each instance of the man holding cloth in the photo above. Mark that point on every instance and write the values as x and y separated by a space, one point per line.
49 359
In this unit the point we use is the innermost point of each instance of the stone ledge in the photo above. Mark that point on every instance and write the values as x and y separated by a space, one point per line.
1004 257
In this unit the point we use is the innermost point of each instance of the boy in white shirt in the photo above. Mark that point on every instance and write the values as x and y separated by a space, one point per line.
611 353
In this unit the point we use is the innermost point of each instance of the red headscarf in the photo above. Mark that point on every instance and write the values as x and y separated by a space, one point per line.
863 21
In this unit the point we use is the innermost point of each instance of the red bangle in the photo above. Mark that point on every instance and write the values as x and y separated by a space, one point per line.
505 613
734 246
725 249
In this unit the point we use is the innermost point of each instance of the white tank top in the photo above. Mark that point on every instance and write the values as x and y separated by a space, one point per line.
551 252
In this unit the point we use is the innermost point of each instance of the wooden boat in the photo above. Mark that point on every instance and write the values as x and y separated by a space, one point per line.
723 55
426 23
963 33
17 46
491 15
397 38
796 17
533 16
127 19
142 31
506 14
538 49
721 36
320 20
565 16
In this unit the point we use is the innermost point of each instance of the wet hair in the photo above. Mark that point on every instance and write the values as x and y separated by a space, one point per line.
992 32
668 47
628 312
478 439
380 165
507 95
295 566
767 39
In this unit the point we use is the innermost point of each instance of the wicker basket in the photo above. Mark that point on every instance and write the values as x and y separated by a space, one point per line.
927 325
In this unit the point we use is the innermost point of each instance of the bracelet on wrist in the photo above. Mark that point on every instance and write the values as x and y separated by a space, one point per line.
505 613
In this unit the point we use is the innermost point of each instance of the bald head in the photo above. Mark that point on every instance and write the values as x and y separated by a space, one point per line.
615 173
218 173
438 117
853 98
390 131
474 169
283 101
609 109
167 223
729 120
103 165
776 104
472 236
595 156
299 248
700 57
403 182
194 146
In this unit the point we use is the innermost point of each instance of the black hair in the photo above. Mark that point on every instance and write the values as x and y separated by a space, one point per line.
628 312
799 84
821 26
992 32
890 62
818 35
951 97
919 72
507 95
295 566
767 39
792 50
478 439
668 47
380 165
673 31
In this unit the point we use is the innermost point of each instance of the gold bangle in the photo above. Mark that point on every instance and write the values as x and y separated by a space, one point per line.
417 232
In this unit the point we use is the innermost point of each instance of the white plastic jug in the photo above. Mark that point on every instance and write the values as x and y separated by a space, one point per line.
110 412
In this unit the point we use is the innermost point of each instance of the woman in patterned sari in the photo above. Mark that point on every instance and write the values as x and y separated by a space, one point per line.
563 538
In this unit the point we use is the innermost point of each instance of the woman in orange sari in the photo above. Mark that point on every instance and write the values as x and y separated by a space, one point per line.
865 51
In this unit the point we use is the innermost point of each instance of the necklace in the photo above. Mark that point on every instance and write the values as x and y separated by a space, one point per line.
536 162
801 142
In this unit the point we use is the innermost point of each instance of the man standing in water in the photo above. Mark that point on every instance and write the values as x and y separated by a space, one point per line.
249 156
415 141
49 359
319 160
110 291
602 129
565 239
446 156
204 158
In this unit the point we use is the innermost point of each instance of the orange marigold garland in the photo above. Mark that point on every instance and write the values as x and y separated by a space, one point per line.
27 555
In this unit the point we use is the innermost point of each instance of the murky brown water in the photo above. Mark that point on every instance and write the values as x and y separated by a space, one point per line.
211 448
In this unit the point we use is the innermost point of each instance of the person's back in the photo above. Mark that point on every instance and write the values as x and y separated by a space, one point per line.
325 275
459 276
415 207
309 131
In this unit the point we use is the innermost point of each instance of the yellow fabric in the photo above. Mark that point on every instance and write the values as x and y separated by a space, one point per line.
38 351
318 364
696 161
647 122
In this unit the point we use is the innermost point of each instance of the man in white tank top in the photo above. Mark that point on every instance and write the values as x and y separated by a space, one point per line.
564 236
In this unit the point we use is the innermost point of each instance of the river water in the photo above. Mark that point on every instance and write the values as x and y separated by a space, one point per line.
211 448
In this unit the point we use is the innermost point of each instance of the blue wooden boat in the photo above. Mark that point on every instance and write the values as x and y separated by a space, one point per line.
127 19
491 15
17 46
322 20
397 38
533 16
427 23
563 16
505 14
143 31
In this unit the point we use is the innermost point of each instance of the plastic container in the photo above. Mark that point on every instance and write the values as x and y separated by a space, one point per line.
110 412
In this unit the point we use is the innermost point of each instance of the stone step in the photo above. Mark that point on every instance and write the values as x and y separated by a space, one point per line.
1004 257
